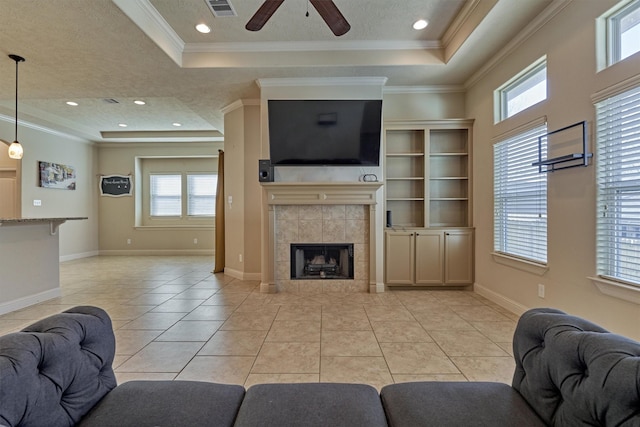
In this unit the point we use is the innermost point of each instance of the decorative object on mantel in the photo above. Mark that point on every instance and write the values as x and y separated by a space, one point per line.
55 175
563 140
116 185
15 149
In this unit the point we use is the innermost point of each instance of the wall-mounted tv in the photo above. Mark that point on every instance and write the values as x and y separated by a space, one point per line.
325 132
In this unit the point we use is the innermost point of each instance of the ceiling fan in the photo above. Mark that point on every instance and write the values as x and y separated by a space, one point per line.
326 8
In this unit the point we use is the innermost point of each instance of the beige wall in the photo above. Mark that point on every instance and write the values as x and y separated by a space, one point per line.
118 214
568 40
77 238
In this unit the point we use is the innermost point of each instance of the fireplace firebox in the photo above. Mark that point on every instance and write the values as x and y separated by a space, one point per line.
321 261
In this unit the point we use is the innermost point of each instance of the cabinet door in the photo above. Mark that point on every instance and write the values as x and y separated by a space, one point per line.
399 257
458 258
429 257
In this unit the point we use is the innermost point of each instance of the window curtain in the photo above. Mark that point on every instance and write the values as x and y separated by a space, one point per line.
219 248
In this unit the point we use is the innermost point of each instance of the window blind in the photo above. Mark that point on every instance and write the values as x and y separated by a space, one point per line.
165 195
201 191
618 192
520 197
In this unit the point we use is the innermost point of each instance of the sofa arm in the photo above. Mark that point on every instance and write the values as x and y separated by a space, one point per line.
57 369
573 372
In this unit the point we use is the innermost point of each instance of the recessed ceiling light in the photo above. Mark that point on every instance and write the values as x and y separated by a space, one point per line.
420 24
203 28
139 102
73 104
122 125
176 124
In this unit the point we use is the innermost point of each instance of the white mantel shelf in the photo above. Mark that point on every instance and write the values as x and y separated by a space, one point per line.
320 193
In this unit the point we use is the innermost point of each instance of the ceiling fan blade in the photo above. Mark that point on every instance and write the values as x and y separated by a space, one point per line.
263 14
332 16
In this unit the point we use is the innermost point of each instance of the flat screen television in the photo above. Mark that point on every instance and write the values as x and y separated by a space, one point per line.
325 132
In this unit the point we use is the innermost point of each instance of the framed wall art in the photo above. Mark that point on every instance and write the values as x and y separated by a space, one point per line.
56 175
115 185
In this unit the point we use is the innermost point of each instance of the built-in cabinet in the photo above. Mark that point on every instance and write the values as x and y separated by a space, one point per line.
427 170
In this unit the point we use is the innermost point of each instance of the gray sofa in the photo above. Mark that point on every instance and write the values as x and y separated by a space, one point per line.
569 372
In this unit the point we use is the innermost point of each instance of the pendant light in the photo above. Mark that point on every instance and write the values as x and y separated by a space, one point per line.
15 149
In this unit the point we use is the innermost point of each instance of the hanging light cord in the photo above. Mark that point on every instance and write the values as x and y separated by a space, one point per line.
17 59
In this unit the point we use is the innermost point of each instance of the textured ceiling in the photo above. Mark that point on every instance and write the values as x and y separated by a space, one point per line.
89 51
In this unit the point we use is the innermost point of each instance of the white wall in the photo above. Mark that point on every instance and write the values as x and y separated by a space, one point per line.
568 40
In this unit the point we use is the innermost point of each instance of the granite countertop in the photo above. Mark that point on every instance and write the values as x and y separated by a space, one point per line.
35 220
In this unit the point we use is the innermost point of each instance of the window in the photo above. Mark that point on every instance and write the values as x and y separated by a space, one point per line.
520 197
201 193
623 32
618 192
523 91
166 195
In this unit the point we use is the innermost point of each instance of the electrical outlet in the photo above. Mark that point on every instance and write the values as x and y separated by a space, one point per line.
195 241
37 203
240 257
128 241
540 290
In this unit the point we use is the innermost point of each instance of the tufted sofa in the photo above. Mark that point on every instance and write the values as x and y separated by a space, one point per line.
569 372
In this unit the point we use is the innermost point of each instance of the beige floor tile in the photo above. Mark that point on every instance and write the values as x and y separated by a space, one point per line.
348 320
234 299
434 321
178 306
381 313
362 370
288 358
123 377
466 343
150 299
126 312
408 378
191 330
417 358
154 321
400 331
496 331
248 321
253 379
211 312
218 369
349 343
294 331
197 294
161 357
309 313
131 341
480 313
234 343
170 289
499 369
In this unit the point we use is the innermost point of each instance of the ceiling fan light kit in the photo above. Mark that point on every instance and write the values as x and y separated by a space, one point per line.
327 9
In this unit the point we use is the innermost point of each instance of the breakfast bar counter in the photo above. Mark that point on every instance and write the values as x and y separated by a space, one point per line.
30 261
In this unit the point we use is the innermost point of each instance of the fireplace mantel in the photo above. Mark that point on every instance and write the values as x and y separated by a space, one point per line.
320 193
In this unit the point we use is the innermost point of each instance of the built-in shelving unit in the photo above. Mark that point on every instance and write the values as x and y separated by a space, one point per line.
427 189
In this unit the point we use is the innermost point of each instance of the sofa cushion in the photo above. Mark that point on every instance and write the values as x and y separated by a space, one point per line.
311 404
55 370
167 403
456 404
573 372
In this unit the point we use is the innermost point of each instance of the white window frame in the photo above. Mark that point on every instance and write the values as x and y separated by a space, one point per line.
521 83
618 188
615 32
155 197
195 207
520 196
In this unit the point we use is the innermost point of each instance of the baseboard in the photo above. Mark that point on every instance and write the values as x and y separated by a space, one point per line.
499 299
20 303
158 252
71 257
241 275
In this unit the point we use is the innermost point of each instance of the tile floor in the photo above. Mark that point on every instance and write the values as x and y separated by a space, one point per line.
173 319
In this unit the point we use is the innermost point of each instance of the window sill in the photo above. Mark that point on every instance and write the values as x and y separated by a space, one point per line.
520 264
174 227
617 289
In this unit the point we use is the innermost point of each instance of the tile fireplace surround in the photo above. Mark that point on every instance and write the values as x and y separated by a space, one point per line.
328 212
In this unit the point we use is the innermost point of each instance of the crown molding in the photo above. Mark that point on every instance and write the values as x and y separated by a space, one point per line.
313 46
540 21
322 81
424 89
239 104
43 129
